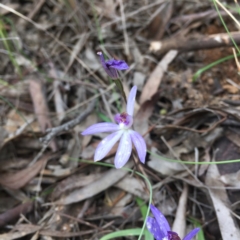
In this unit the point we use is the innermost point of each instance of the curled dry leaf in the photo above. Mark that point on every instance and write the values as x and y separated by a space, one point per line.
179 224
142 117
154 80
109 179
41 108
13 213
73 182
19 179
134 186
17 124
220 202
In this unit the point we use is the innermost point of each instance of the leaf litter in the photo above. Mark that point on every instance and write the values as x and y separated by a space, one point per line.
53 87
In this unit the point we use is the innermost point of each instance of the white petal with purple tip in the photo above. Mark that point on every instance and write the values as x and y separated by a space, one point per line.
139 144
190 235
106 145
101 127
131 100
124 150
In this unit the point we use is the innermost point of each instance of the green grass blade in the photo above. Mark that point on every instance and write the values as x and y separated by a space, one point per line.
204 69
124 233
196 223
192 163
103 117
144 211
225 26
3 36
143 207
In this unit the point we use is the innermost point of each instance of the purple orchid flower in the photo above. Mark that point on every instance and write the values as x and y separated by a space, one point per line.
158 226
111 66
121 131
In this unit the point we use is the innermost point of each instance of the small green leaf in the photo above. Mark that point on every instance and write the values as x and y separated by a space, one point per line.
125 233
103 117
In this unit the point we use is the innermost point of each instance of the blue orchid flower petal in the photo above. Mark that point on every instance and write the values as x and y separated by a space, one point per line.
154 229
124 150
111 66
117 64
161 220
139 144
190 235
106 145
101 127
131 100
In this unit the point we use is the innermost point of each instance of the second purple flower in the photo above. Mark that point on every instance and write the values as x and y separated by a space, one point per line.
111 66
121 130
159 227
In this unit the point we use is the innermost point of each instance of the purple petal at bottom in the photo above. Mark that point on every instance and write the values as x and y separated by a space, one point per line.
139 144
112 73
106 145
124 150
154 229
190 235
173 236
161 220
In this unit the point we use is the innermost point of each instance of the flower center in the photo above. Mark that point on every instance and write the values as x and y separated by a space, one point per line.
124 120
173 236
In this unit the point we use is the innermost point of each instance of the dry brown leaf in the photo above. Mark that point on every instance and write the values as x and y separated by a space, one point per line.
20 89
17 124
24 231
164 167
90 120
41 108
119 208
73 182
109 179
138 79
58 100
76 49
143 115
19 179
106 8
13 213
15 121
154 80
179 224
157 26
221 204
231 179
230 88
40 105
134 186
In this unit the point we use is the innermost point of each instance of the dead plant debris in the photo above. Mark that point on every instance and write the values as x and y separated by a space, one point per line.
53 86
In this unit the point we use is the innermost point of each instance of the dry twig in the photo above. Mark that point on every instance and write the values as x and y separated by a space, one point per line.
193 44
66 126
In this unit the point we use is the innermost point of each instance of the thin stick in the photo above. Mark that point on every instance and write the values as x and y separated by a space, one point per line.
66 126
